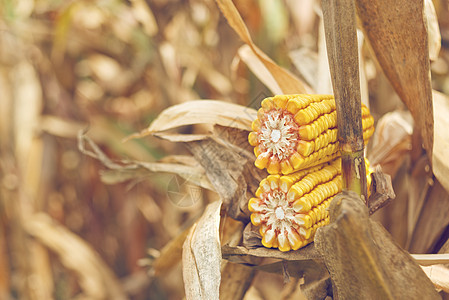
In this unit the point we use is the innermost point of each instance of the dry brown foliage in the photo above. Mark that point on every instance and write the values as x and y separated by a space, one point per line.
119 180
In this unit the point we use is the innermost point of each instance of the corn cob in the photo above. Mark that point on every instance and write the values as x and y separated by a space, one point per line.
293 132
289 208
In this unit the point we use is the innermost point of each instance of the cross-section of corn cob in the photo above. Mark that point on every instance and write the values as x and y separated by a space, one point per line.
290 208
293 132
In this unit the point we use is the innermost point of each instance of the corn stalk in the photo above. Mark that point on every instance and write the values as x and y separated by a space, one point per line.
341 40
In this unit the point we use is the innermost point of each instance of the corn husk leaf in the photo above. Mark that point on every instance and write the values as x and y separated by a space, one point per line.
201 256
199 112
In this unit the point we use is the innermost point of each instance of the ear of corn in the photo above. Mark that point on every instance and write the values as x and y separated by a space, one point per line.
294 132
290 208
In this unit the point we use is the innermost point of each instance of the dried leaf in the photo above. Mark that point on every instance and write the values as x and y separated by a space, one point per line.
292 291
201 256
235 281
439 275
432 220
201 112
358 250
419 184
288 83
259 69
364 91
431 259
129 169
323 83
251 236
228 161
433 29
397 33
96 279
440 163
318 289
312 271
391 141
306 61
170 254
239 254
381 191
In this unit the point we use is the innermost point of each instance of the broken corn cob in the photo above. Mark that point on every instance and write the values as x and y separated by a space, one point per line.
293 132
290 208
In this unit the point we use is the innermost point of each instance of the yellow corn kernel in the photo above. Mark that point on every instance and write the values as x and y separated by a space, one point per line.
294 132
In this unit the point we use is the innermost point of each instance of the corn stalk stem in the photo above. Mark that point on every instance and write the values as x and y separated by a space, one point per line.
341 41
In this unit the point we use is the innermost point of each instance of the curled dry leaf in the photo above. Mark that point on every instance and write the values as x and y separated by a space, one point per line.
200 112
96 279
130 169
201 256
288 82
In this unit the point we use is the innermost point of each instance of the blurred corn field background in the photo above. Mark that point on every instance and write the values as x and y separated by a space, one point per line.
99 223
